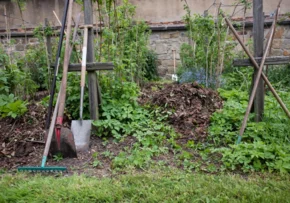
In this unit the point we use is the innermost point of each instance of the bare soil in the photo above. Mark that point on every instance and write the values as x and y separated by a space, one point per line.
22 140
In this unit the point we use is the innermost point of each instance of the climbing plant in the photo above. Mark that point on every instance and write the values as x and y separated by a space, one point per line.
208 51
122 40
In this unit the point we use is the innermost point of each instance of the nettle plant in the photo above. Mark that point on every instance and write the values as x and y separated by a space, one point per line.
208 51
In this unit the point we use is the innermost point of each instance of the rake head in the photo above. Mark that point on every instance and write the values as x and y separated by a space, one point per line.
46 169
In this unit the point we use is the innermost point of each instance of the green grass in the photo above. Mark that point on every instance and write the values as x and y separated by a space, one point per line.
169 186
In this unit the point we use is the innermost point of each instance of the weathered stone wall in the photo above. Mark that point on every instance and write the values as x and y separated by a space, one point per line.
281 41
18 45
163 42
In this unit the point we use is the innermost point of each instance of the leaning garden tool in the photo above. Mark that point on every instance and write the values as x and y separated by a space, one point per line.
64 139
44 168
82 128
57 61
174 76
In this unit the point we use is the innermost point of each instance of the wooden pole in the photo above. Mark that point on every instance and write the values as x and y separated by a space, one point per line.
48 50
272 60
257 66
258 34
258 76
48 42
92 76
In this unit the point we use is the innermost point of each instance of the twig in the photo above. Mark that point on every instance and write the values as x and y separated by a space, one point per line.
35 141
58 20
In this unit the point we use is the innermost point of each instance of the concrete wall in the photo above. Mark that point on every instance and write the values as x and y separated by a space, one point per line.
34 13
153 11
172 10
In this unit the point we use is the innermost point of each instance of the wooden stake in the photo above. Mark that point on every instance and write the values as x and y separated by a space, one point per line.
258 76
258 35
92 76
257 67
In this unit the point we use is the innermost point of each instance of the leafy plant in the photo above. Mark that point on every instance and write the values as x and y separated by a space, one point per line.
122 117
10 106
124 41
58 157
96 162
265 145
208 53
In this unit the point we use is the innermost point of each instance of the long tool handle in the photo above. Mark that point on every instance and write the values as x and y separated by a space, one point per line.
174 61
257 67
57 61
83 71
50 132
75 33
65 67
254 90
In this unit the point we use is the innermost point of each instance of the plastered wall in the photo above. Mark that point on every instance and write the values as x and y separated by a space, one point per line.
154 11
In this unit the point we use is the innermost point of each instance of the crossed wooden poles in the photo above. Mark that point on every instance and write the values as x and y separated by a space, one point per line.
260 73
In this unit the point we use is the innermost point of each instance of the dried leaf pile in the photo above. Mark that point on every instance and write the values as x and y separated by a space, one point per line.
19 138
192 106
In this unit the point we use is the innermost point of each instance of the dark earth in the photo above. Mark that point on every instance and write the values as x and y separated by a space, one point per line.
22 140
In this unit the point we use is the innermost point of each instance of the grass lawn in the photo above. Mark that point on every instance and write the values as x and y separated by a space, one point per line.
165 186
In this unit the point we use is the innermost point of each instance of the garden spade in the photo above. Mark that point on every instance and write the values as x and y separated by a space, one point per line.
64 142
82 128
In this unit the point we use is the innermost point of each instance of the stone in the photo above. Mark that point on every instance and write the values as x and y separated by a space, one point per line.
154 37
174 35
18 41
279 32
242 33
276 44
183 34
276 52
286 44
165 35
163 56
167 63
170 70
159 62
162 71
152 47
30 46
184 39
19 47
287 34
161 48
286 52
33 40
175 45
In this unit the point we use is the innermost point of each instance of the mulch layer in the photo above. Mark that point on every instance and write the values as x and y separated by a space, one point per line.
192 106
22 140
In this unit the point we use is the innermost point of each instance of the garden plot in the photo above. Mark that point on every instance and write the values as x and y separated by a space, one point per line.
189 105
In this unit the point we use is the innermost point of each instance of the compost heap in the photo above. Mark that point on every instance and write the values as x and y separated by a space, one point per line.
192 107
